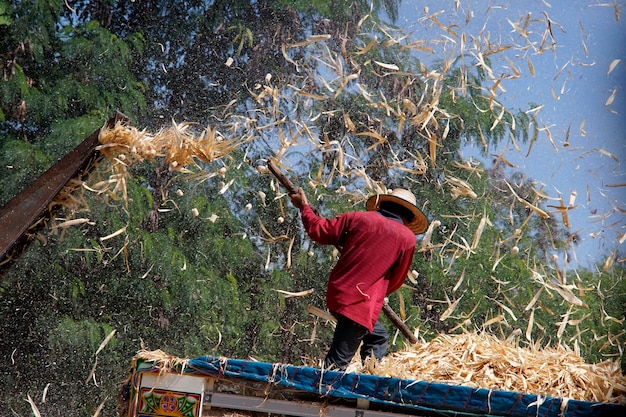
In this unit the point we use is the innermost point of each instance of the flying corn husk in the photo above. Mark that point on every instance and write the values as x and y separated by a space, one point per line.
563 210
309 40
529 327
432 147
469 166
283 49
563 323
105 341
459 281
33 406
611 98
226 186
613 65
459 187
609 262
425 245
567 294
452 306
603 152
531 68
178 146
100 407
507 309
114 234
500 157
392 67
447 29
484 221
270 237
371 44
419 45
69 223
493 320
290 294
532 302
321 314
374 135
402 310
288 263
535 209
348 123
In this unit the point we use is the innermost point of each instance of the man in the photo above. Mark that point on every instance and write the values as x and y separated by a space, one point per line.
376 248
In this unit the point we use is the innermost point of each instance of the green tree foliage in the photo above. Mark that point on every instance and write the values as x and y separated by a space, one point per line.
191 266
62 78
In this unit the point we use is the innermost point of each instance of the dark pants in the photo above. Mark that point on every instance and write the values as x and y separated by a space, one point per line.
347 338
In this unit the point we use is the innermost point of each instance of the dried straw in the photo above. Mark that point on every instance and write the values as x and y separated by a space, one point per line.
177 144
161 360
482 360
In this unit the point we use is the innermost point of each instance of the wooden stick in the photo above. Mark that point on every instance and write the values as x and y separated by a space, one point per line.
291 189
397 321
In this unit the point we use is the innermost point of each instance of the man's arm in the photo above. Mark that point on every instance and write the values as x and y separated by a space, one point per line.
320 230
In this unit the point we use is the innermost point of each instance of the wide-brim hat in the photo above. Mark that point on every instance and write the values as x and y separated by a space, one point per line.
406 199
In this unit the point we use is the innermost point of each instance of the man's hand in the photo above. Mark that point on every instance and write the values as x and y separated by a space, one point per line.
299 199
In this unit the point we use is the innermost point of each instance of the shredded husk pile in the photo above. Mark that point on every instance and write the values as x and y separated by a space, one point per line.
482 360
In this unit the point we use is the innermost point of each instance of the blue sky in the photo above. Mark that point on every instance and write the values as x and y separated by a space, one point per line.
573 84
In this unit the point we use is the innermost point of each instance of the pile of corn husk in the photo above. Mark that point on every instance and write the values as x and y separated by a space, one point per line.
482 360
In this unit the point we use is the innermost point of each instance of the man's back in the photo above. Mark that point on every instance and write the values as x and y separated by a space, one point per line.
376 254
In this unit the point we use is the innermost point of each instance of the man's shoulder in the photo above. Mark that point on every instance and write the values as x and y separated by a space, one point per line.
376 217
370 216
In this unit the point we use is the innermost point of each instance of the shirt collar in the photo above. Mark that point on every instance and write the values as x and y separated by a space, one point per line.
392 216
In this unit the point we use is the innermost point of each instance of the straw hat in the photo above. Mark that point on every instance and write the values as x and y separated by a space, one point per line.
406 199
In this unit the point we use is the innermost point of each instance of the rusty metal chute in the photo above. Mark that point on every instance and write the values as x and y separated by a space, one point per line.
25 210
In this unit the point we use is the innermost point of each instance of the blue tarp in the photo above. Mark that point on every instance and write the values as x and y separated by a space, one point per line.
415 395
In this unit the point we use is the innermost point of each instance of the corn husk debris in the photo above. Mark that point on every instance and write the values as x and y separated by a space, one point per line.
484 361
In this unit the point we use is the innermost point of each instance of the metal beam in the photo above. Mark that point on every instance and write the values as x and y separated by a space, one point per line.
289 408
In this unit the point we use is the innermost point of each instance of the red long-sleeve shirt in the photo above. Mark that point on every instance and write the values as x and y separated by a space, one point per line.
376 254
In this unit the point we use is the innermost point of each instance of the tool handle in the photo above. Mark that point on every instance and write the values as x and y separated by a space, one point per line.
286 182
397 321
